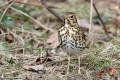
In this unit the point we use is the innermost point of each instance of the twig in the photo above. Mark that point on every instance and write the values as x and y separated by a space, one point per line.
31 4
23 43
36 21
19 47
91 39
51 10
28 4
57 15
7 10
17 36
91 15
104 27
5 3
34 4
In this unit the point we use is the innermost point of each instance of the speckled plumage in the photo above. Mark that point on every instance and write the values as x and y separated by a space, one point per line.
71 37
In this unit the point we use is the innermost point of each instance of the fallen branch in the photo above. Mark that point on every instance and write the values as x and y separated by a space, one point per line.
31 4
58 16
104 27
51 11
36 21
12 2
91 30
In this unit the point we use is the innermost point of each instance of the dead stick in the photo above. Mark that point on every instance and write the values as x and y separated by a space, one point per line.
28 4
11 3
52 11
57 15
31 4
34 4
104 27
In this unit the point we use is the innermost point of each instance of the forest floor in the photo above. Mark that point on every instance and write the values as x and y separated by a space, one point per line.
29 47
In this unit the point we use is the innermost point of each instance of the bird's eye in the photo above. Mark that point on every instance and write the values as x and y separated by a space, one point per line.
72 17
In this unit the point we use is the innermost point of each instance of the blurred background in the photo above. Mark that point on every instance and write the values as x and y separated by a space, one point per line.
28 39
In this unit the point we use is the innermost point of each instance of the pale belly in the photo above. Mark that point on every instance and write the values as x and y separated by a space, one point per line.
69 46
69 49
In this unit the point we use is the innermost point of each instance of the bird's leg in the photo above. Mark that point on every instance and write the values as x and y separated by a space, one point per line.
79 65
68 64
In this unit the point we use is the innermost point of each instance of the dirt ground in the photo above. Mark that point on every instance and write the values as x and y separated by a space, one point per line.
29 47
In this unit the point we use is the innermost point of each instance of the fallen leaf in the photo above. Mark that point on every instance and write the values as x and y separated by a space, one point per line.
109 70
53 40
83 23
1 63
116 8
9 38
33 68
41 60
112 71
99 74
117 22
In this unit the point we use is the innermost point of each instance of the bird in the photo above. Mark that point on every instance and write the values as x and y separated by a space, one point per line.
71 38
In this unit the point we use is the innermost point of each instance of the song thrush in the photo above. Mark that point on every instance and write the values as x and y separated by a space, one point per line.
71 37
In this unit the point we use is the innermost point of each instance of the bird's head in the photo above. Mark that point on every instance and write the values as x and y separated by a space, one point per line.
70 19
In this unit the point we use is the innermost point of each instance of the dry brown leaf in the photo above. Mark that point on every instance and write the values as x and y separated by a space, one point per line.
117 22
33 68
84 23
1 63
99 74
111 71
41 60
53 40
9 38
17 58
116 8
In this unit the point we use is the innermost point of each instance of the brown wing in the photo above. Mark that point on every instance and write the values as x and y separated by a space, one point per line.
80 38
59 35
